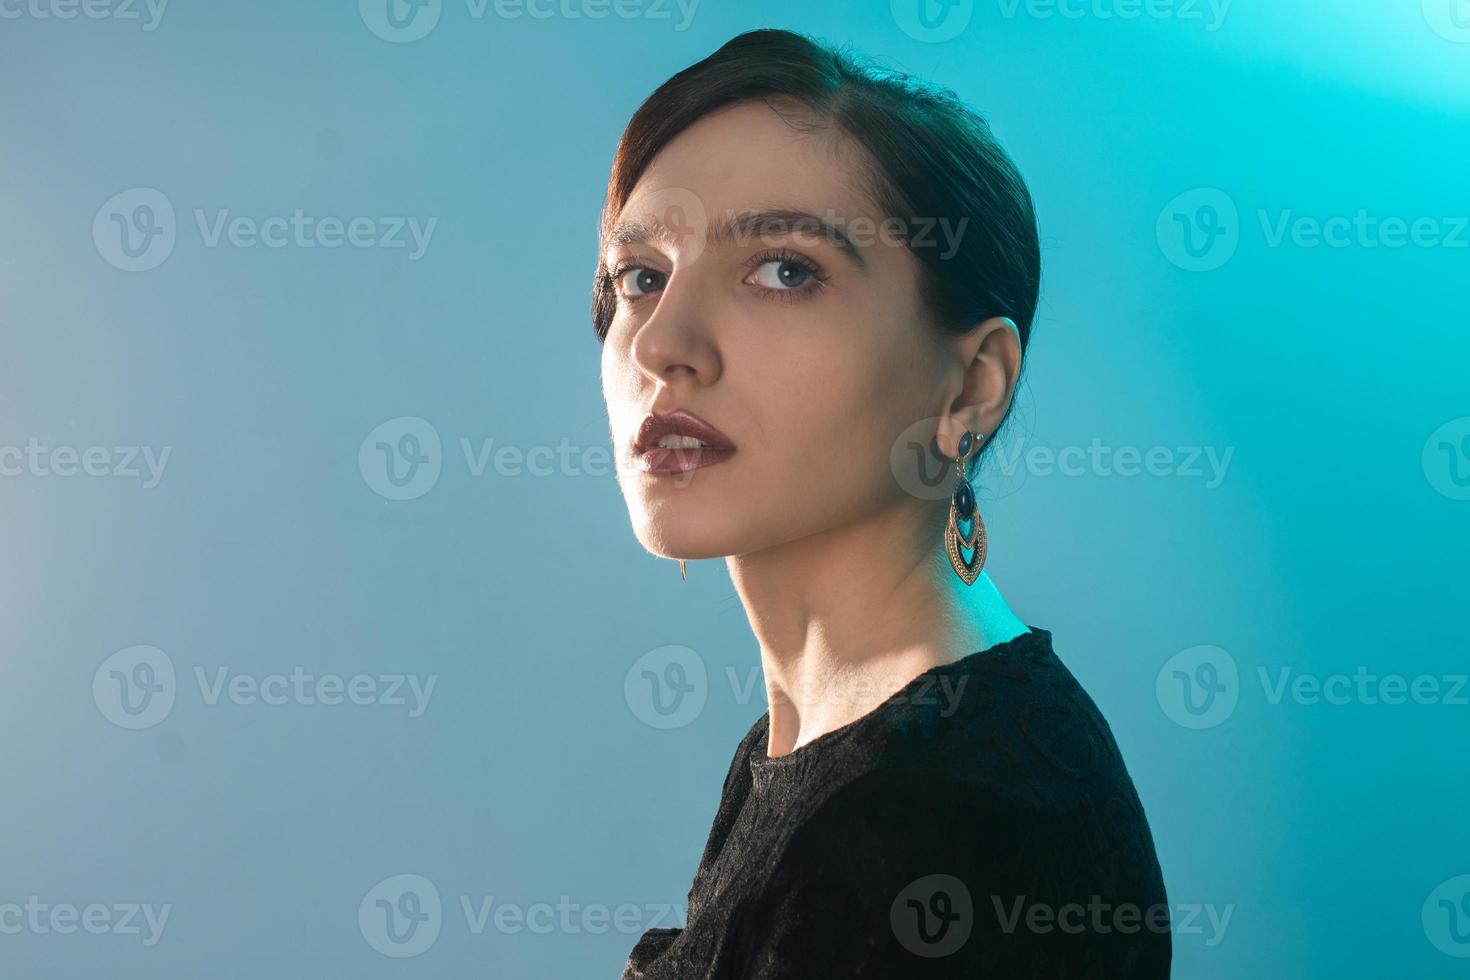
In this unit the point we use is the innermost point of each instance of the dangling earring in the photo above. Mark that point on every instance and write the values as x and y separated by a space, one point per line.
962 507
681 569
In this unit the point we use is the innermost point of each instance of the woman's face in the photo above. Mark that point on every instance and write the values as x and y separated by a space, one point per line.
811 357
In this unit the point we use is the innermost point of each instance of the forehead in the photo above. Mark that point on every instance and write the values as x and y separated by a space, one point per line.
747 156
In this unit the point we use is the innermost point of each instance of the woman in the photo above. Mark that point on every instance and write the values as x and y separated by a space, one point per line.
808 268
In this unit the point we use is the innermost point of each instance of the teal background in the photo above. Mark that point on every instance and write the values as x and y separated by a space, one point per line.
1335 540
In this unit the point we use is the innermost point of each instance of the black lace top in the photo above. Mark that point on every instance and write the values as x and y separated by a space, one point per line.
978 823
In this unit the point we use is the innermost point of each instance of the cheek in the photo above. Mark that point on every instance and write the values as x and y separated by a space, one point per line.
614 370
610 399
858 397
823 411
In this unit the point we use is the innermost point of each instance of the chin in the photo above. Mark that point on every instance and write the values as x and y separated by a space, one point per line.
688 536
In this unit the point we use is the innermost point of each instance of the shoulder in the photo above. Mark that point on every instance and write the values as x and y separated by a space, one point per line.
751 743
1021 748
732 793
1013 726
913 872
995 793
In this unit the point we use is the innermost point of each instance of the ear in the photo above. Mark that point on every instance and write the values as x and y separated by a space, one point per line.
988 357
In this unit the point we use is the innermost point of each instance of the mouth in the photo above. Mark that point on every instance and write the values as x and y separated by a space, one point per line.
678 442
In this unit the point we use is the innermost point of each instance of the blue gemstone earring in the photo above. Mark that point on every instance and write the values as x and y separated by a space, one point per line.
963 508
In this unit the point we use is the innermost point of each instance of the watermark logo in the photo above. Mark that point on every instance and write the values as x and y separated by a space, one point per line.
1201 686
302 230
932 21
1211 13
1101 917
39 459
1363 687
401 458
918 464
301 687
1362 230
401 916
1198 687
1446 917
40 918
90 9
135 687
933 916
507 460
400 21
1450 19
1209 464
667 687
135 229
566 916
673 215
923 471
1446 459
1199 231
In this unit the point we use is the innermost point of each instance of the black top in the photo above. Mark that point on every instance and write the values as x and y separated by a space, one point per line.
980 822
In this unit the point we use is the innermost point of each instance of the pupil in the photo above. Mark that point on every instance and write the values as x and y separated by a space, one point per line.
790 270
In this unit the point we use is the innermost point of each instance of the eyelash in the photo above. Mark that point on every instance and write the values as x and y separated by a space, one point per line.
815 283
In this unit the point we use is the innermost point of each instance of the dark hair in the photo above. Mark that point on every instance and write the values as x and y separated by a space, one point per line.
933 158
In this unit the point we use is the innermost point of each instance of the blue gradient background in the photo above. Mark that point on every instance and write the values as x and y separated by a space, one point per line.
1328 545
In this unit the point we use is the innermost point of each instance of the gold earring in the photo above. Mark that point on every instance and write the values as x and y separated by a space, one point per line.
681 569
962 506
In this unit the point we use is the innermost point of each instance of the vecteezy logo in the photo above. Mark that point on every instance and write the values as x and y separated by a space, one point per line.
401 916
401 458
1198 687
135 687
1446 917
1446 459
932 21
676 214
135 229
400 21
667 687
1199 230
918 464
933 916
1450 19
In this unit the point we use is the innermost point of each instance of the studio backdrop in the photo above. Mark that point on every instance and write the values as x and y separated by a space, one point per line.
327 650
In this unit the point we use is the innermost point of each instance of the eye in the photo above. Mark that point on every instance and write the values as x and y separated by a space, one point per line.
785 276
637 281
782 274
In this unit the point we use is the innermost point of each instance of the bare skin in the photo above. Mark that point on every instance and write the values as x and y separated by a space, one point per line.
815 376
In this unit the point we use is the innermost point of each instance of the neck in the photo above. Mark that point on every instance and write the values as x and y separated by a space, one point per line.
847 617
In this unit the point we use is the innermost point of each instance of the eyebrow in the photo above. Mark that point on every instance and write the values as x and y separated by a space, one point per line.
738 225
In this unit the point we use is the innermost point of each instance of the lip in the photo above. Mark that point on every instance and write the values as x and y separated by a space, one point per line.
650 458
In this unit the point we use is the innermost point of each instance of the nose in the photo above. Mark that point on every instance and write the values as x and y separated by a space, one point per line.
676 344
